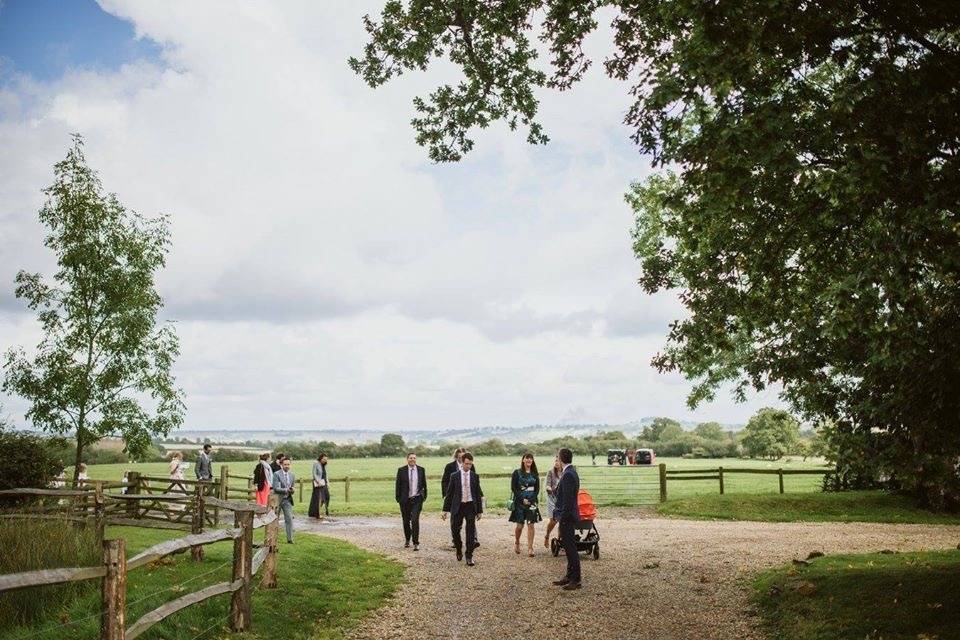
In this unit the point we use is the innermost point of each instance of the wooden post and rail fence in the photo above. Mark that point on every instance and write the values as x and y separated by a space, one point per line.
115 565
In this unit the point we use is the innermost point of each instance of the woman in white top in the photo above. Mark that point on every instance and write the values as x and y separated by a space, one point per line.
82 476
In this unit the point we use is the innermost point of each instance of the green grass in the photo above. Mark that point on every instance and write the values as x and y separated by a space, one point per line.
903 596
29 545
853 506
610 486
325 587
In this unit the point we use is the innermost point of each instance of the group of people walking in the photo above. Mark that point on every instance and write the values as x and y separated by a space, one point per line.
463 503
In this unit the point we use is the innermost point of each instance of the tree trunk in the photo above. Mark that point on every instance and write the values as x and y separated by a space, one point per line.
77 459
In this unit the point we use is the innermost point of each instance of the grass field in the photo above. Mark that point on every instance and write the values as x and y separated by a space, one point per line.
309 602
611 486
890 596
851 506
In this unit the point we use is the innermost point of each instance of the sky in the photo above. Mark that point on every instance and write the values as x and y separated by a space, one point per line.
323 272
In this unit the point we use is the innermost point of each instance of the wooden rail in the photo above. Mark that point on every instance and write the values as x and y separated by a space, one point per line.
115 565
718 474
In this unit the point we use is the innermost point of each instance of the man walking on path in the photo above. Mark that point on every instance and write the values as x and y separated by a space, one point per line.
567 514
453 467
204 468
411 493
283 486
463 503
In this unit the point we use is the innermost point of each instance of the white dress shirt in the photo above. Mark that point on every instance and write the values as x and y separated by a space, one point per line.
414 481
465 483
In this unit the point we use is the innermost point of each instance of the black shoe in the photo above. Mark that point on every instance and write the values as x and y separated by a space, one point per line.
406 545
416 546
572 586
289 541
561 582
459 554
470 562
476 543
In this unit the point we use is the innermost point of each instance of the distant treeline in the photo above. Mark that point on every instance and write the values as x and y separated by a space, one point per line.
770 434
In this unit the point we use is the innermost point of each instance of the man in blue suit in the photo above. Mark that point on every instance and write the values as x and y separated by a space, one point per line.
465 505
283 483
567 514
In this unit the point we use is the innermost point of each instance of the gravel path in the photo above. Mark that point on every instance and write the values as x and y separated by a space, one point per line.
670 578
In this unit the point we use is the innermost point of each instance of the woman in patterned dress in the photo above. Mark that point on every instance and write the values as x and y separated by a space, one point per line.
553 479
525 489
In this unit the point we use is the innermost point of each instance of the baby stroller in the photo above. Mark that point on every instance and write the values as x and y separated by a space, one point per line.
585 531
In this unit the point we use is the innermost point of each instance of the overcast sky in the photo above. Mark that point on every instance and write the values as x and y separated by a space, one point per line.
323 272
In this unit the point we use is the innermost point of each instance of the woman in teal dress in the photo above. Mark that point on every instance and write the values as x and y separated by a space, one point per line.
525 489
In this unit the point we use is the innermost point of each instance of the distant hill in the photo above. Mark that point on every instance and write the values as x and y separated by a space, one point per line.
532 433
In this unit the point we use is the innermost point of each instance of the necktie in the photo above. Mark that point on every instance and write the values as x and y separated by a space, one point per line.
466 486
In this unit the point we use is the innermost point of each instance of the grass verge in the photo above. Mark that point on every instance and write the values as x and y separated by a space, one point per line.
325 587
852 506
864 596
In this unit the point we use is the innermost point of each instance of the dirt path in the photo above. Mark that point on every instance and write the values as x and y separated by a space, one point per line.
696 591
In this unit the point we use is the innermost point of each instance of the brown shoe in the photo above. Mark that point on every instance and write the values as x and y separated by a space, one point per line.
571 586
561 582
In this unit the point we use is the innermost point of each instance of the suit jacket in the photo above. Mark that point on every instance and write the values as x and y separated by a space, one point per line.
451 468
280 488
403 483
454 497
565 508
204 468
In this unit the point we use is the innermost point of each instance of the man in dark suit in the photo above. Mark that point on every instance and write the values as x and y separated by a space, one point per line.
463 503
454 466
567 514
411 492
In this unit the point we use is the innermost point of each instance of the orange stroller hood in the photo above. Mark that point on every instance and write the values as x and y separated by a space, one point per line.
588 511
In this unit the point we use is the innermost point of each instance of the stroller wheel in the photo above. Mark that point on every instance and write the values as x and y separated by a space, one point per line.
596 551
555 547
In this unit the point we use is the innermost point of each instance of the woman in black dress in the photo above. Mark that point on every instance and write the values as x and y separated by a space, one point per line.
525 490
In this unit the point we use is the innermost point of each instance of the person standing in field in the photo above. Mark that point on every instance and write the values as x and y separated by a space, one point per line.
283 486
525 493
82 475
553 479
464 504
263 478
325 488
411 492
320 490
567 514
277 459
204 468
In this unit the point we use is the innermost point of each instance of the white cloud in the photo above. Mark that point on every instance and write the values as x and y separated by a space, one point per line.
322 272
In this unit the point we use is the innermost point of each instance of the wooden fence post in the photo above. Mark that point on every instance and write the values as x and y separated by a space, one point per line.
269 580
133 479
780 473
99 516
300 481
663 482
224 493
242 568
720 474
113 592
346 489
196 521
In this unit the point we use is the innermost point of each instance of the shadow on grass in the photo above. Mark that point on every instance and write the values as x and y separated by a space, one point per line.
895 596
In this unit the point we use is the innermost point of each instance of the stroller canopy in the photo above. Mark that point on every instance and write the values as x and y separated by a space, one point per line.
588 510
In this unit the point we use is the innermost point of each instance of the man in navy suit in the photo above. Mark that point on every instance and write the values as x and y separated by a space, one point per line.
411 492
567 514
454 467
463 503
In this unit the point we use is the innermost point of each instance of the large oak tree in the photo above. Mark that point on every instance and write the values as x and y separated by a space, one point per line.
807 211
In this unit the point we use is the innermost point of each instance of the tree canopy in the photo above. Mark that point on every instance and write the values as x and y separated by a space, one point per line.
771 433
807 209
102 357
